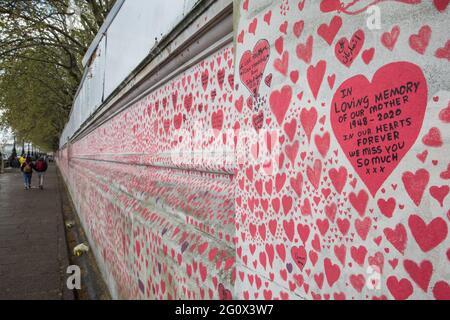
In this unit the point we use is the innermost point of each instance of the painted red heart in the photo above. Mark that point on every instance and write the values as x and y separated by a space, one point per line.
330 5
252 26
322 143
178 120
304 50
279 102
358 254
330 211
322 225
298 28
299 256
374 169
428 236
340 252
308 119
377 262
289 228
419 42
338 178
281 65
290 128
433 138
343 225
291 151
204 78
443 52
347 51
188 102
358 281
446 174
252 65
217 120
329 32
444 114
332 272
359 202
415 184
367 55
315 76
397 237
400 289
363 226
441 290
439 193
419 273
314 173
389 39
441 5
387 207
258 120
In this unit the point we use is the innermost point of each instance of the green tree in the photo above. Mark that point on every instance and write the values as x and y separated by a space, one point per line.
42 43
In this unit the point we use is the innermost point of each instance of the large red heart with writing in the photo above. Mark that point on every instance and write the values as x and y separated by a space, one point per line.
252 65
376 123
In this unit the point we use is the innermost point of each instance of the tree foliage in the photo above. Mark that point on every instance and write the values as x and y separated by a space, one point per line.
42 43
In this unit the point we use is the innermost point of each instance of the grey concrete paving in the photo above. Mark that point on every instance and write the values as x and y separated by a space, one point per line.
33 250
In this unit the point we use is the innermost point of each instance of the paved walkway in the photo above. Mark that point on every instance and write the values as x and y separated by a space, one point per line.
33 251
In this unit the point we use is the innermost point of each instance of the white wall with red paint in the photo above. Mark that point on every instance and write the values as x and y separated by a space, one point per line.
328 216
265 172
161 222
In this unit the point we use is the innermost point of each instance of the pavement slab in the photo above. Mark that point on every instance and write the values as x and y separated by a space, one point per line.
33 249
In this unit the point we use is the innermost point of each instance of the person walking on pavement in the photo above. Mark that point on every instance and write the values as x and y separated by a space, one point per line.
27 170
21 160
40 167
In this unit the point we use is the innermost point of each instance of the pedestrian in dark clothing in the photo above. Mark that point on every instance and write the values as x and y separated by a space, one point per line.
40 167
27 170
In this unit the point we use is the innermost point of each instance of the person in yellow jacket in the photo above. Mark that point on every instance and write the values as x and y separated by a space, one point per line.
22 160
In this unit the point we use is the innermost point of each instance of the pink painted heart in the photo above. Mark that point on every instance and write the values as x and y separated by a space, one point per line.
217 121
441 291
315 76
444 114
433 138
308 119
420 273
347 51
328 32
378 137
304 50
279 102
332 271
359 201
400 289
428 236
440 193
389 39
415 184
387 207
252 65
398 237
419 42
330 5
367 55
443 52
299 256
441 5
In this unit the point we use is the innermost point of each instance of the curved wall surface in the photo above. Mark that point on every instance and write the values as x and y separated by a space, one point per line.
160 219
307 160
